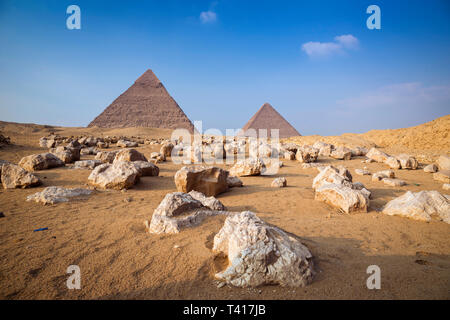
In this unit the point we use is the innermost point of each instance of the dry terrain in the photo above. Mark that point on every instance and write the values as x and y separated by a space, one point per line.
104 233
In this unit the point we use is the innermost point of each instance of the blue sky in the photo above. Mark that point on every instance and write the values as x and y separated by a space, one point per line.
316 62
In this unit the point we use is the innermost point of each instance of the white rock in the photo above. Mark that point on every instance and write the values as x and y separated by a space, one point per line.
247 167
210 202
420 206
377 155
261 254
119 175
279 182
443 162
393 182
344 197
87 164
52 195
431 168
13 176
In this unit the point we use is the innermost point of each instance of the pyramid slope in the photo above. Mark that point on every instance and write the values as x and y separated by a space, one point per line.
268 118
145 104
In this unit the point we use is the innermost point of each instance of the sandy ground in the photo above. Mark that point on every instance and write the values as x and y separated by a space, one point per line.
104 235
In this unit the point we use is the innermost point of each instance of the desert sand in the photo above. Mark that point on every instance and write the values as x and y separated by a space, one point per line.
104 233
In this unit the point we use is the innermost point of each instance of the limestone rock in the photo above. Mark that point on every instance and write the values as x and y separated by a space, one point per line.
420 206
443 162
260 254
362 172
377 155
208 180
233 181
176 211
126 144
13 176
393 182
52 195
279 182
129 155
446 186
331 175
431 168
146 168
87 164
157 156
407 161
289 155
41 161
442 176
344 197
119 175
393 163
341 153
166 149
380 175
210 202
307 154
247 167
106 156
89 151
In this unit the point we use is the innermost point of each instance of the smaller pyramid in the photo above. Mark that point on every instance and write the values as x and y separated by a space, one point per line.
145 104
268 118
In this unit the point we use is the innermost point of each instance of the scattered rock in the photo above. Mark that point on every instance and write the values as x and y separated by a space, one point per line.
52 195
377 155
119 175
443 162
344 197
307 154
442 176
279 182
393 163
420 206
431 168
446 186
13 176
362 172
146 168
341 153
166 149
393 182
89 151
41 161
178 210
208 180
407 161
247 167
106 156
233 181
380 175
210 202
129 155
260 254
87 164
127 144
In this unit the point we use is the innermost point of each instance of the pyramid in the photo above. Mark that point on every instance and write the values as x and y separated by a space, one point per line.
145 104
268 118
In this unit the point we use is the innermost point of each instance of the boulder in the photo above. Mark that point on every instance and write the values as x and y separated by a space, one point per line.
87 164
234 182
176 211
208 180
407 161
106 156
52 195
157 156
442 176
209 202
279 182
66 154
341 153
359 151
89 151
129 155
102 145
119 175
331 175
13 176
166 149
261 254
380 175
431 168
393 182
289 155
146 168
307 154
377 155
362 172
126 144
41 161
344 197
247 167
421 206
443 162
393 163
446 186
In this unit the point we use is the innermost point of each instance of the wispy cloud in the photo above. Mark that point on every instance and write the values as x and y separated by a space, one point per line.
339 45
208 17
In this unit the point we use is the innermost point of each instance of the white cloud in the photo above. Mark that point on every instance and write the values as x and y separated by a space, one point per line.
208 17
340 44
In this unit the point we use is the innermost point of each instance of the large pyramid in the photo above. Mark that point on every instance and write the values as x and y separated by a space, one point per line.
145 104
268 118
